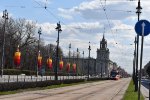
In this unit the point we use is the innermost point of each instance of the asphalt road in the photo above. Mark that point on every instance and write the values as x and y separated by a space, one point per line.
145 88
102 90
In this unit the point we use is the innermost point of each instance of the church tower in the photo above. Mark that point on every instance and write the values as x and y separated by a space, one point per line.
103 43
102 60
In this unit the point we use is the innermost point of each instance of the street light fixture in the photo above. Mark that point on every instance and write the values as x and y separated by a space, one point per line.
58 28
5 16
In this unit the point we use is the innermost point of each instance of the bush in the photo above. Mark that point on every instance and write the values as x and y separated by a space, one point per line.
11 72
18 72
28 72
24 85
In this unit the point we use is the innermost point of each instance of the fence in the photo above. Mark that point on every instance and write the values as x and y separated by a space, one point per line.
24 78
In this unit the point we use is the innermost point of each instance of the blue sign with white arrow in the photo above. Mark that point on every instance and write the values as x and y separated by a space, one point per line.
142 27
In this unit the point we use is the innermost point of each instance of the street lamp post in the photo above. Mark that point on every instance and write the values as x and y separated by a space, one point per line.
39 32
69 51
83 64
69 57
137 49
5 16
58 28
134 64
77 62
89 60
136 78
101 70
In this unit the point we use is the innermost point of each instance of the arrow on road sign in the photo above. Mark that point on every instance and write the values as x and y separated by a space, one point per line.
143 27
139 28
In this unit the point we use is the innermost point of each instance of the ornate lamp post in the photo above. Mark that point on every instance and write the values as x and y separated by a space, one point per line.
68 64
89 60
138 12
39 32
137 87
5 17
83 64
58 28
77 62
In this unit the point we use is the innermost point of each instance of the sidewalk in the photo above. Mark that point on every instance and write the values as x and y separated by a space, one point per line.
145 92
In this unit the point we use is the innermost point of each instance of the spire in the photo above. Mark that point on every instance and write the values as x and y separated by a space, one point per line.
103 35
103 43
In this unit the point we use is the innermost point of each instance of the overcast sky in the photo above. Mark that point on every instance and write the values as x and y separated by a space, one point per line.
86 20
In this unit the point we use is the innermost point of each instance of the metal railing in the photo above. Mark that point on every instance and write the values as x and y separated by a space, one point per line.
24 78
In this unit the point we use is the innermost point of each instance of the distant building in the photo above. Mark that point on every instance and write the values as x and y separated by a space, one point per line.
82 65
101 66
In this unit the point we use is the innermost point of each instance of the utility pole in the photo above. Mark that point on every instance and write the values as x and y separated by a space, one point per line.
138 12
89 60
39 32
77 62
5 16
58 28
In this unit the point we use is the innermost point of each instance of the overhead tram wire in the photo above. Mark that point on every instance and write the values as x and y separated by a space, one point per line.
120 0
64 23
15 6
45 7
107 19
104 9
109 24
53 15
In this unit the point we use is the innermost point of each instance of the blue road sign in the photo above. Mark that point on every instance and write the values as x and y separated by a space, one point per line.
138 27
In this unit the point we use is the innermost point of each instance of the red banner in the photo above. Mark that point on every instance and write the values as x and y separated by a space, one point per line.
49 63
17 58
61 64
74 67
68 67
39 61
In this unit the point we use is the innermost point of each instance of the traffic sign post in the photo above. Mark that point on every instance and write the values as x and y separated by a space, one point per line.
142 28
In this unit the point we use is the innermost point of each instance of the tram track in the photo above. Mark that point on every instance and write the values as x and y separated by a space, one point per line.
44 95
102 90
71 90
88 95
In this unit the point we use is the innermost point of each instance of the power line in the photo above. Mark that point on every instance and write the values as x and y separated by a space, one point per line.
107 18
53 15
109 24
